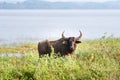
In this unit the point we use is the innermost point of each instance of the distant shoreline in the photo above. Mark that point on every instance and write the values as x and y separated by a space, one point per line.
36 4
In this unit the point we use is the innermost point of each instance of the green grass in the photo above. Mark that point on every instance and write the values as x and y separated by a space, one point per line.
93 60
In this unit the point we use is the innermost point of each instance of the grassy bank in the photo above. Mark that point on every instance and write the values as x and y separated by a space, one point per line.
18 48
93 60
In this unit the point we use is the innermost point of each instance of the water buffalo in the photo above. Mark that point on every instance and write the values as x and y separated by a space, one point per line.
63 46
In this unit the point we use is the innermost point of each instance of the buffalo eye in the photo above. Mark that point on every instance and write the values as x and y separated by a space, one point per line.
77 42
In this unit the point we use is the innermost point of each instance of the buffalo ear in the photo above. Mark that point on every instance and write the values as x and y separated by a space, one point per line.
64 42
77 42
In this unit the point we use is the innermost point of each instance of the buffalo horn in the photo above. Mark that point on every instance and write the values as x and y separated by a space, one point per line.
63 34
78 38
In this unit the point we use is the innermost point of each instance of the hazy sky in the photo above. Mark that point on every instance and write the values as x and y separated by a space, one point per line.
61 0
12 0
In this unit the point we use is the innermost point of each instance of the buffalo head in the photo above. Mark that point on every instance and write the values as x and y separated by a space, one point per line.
71 42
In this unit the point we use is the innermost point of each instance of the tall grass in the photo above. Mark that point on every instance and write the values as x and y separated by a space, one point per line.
93 60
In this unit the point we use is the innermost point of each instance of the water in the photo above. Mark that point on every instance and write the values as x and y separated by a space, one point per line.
11 54
25 25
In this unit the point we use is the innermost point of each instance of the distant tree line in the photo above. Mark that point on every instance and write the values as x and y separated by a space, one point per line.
38 4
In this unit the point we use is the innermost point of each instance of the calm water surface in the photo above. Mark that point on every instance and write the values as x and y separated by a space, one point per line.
22 25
